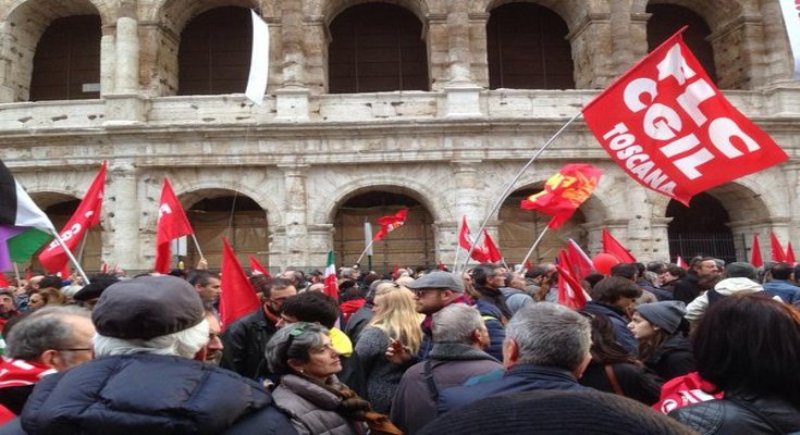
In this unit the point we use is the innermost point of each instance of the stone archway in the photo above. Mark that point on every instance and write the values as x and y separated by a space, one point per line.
411 245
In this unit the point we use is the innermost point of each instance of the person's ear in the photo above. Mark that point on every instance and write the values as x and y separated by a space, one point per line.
296 365
52 358
510 352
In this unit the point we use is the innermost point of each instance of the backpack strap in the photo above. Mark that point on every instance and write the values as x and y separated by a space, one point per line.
427 374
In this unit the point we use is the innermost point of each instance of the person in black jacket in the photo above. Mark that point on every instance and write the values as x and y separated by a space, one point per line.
748 346
245 340
663 347
144 380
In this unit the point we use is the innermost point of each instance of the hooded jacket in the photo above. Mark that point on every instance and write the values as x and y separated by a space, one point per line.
727 287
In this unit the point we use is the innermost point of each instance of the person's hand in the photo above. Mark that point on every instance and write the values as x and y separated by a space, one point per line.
398 354
202 264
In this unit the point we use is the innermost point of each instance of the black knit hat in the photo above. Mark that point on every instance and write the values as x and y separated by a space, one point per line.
555 412
147 307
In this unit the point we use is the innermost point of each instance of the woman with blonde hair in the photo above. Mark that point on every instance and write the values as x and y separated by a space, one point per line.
395 323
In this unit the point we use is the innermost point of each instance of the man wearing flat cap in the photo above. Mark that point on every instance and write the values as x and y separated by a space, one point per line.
432 292
144 379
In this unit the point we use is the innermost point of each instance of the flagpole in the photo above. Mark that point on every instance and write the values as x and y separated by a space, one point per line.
16 273
511 184
371 242
197 245
82 246
71 258
533 247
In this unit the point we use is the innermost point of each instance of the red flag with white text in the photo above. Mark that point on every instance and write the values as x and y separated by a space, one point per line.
238 298
87 215
172 223
666 124
465 241
390 223
257 268
755 255
564 192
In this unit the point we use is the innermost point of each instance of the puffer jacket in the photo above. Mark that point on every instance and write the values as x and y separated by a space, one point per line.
313 408
728 416
148 394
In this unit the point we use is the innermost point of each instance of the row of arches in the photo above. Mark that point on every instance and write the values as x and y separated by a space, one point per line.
702 229
370 47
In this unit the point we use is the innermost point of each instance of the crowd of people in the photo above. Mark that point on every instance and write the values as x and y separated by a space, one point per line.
656 349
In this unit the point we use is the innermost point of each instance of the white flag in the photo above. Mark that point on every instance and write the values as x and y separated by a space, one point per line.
259 61
791 17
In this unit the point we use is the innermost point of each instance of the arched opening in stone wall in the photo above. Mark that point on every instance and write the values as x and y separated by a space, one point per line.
700 229
527 48
668 19
519 228
218 213
60 208
377 47
214 53
411 245
67 61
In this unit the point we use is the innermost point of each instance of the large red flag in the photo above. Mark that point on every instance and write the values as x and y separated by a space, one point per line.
479 254
53 257
564 192
778 254
172 223
580 263
790 254
257 268
614 247
238 298
491 248
667 125
570 292
390 223
755 255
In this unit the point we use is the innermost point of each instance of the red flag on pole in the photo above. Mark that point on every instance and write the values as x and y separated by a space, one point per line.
570 292
682 263
257 268
755 255
491 248
238 298
580 263
790 254
614 247
172 223
667 125
778 254
329 279
480 253
564 192
390 223
87 215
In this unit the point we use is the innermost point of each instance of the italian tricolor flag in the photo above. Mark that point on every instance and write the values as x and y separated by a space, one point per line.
24 228
331 285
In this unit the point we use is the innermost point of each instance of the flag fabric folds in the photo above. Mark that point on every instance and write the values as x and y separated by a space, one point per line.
331 285
390 223
480 254
580 263
87 215
614 247
24 228
778 254
755 255
492 251
790 254
667 126
172 223
238 298
257 268
570 292
564 192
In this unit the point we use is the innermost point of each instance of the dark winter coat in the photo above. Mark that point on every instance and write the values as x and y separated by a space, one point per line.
674 358
492 318
636 383
731 416
245 341
619 321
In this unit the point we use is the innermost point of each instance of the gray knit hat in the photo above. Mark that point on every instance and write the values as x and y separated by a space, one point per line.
666 315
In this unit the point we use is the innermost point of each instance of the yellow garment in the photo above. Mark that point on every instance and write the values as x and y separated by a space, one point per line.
341 342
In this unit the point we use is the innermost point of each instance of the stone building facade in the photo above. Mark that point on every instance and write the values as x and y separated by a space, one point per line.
293 178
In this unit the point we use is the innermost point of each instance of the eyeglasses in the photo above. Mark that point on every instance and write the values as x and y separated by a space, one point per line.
420 292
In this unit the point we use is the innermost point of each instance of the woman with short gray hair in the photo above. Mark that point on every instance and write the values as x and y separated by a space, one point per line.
309 391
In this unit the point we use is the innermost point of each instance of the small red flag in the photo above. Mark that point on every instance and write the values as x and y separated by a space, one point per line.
491 248
755 255
87 215
564 192
390 223
479 254
790 254
778 254
4 283
238 298
581 264
257 268
682 263
570 292
614 247
668 127
172 223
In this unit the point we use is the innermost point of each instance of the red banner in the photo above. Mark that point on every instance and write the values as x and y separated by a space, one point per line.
53 257
667 125
564 192
238 298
